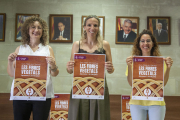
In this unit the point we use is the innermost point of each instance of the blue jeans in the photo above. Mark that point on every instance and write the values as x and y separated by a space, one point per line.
155 112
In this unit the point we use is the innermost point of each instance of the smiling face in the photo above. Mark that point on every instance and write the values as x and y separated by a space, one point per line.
91 27
146 45
127 27
35 30
61 26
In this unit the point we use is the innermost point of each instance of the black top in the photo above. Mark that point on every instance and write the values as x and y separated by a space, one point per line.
100 51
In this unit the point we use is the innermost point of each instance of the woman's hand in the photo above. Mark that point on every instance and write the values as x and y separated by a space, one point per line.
51 61
109 67
129 60
12 57
70 66
168 62
11 64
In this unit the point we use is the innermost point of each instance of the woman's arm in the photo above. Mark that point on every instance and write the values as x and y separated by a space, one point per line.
169 63
109 66
54 71
129 63
11 62
70 64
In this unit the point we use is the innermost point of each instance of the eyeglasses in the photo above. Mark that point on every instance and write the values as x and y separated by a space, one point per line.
147 41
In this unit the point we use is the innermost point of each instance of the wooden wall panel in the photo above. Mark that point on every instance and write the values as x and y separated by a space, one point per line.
6 107
115 107
172 107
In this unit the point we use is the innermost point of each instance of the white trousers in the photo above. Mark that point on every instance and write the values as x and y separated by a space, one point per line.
155 112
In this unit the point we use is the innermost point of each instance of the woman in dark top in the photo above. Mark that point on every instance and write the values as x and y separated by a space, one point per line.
91 42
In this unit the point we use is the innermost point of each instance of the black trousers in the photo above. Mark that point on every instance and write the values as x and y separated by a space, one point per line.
22 109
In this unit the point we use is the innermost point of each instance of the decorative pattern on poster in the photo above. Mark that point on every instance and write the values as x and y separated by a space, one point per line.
89 75
148 78
125 107
59 107
30 78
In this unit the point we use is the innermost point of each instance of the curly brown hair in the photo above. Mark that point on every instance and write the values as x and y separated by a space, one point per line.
98 36
136 50
25 30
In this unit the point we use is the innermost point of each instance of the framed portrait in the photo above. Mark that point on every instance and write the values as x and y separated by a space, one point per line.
127 29
101 27
61 28
161 29
20 18
2 26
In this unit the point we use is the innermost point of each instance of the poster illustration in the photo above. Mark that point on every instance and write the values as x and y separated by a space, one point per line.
125 107
30 78
148 78
59 107
89 75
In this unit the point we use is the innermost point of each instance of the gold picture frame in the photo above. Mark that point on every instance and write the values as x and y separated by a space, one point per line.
2 26
61 28
127 29
161 29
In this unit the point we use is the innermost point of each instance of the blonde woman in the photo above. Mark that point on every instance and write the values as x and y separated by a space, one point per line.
91 42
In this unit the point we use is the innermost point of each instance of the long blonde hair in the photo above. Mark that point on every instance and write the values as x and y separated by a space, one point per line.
98 36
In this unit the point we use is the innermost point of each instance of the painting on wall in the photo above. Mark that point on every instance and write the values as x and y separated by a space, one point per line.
160 27
101 27
127 29
2 26
20 18
61 28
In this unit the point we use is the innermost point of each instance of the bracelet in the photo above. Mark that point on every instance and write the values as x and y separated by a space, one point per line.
111 70
55 69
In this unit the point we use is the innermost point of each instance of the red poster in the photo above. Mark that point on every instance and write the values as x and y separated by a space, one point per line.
89 75
125 107
148 77
59 107
30 78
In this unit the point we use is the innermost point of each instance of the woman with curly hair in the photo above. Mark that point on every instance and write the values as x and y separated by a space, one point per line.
146 45
34 42
91 42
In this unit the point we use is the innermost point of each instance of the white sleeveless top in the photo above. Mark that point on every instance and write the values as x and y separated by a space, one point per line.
41 51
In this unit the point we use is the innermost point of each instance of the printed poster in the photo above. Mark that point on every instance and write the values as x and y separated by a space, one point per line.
125 107
148 78
30 78
59 107
89 75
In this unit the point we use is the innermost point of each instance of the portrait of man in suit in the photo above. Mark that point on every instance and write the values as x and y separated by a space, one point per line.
161 29
126 34
61 33
160 34
1 27
61 28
